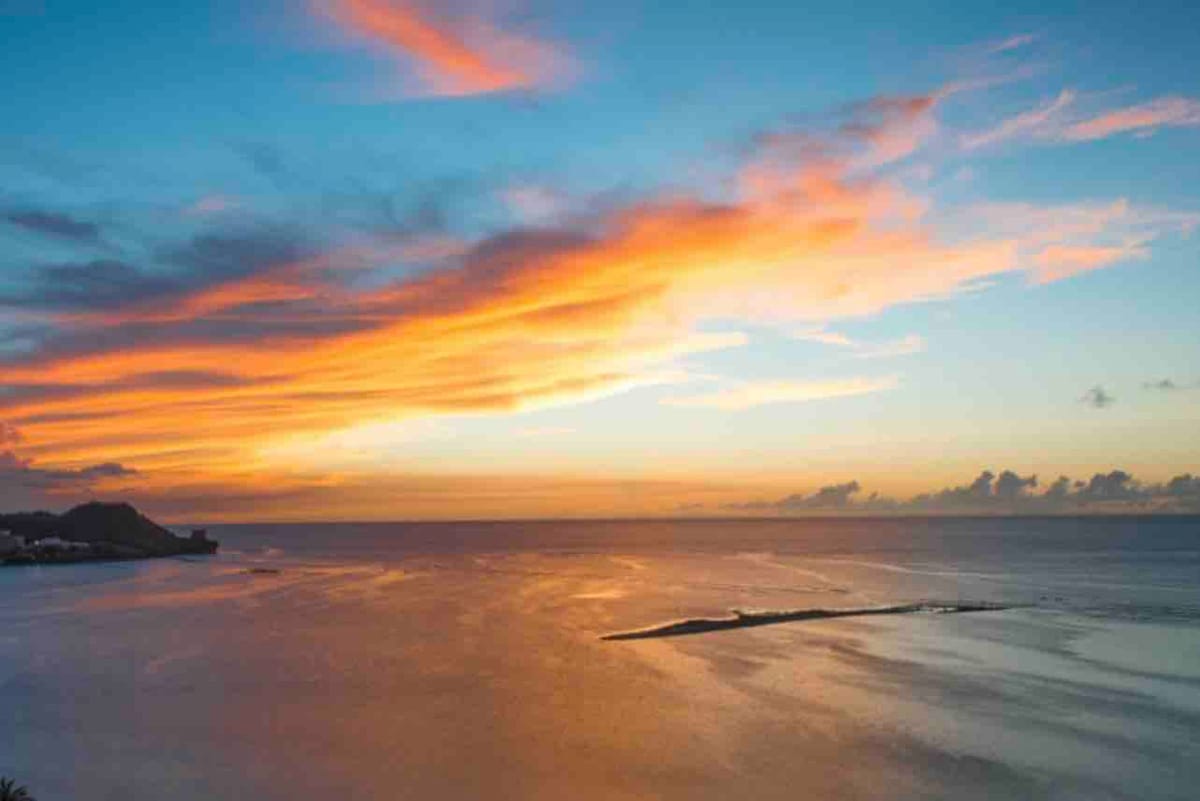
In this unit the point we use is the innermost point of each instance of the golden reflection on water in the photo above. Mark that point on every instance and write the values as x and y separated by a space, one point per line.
483 676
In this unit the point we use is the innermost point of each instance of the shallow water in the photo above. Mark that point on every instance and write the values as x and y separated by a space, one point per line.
464 661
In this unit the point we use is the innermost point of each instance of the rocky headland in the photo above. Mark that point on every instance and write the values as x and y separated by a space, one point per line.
92 532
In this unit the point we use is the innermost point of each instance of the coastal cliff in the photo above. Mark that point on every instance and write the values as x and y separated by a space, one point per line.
92 532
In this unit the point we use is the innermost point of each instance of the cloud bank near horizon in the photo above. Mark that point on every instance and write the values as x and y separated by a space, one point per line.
1005 493
25 486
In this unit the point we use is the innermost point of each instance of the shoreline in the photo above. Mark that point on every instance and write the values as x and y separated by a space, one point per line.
93 532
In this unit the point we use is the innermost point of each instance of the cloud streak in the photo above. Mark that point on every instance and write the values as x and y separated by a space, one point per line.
1144 118
54 224
1014 42
904 346
454 54
1059 121
1058 242
761 393
1025 123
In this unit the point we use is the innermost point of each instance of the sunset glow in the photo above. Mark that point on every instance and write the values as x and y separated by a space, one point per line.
446 300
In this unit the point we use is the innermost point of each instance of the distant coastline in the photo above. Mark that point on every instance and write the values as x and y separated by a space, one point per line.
92 532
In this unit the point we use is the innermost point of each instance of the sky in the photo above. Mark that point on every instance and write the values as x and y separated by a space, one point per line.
395 259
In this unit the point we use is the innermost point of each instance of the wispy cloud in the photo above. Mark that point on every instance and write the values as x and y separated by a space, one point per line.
1026 123
211 204
826 338
1061 121
455 54
54 224
903 346
1169 385
1144 118
1014 42
760 393
1057 242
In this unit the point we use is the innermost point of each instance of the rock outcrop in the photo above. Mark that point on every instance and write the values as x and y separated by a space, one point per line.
97 531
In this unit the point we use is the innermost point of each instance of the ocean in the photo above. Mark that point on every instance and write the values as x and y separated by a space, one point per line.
467 661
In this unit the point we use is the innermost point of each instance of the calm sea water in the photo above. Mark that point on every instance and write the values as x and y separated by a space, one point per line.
463 661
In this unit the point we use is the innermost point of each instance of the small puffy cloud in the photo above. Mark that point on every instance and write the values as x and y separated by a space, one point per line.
1185 489
1058 489
1097 398
1116 485
1011 487
987 490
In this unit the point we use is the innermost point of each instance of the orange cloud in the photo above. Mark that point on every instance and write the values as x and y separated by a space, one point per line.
248 378
455 54
1057 242
1056 262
